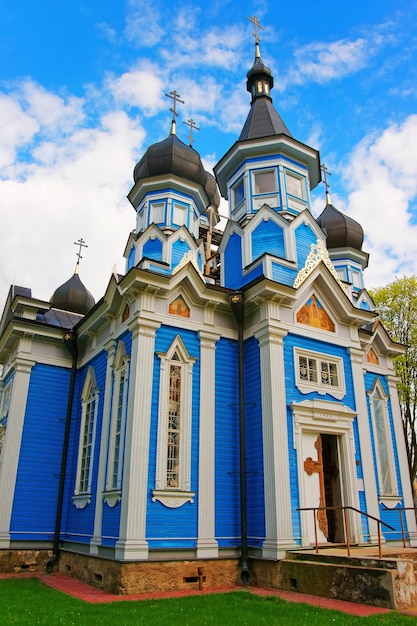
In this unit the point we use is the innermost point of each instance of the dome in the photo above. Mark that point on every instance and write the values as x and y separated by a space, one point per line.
342 230
172 156
73 296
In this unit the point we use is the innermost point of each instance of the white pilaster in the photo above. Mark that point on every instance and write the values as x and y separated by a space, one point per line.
368 471
11 446
207 546
132 543
98 513
402 460
278 523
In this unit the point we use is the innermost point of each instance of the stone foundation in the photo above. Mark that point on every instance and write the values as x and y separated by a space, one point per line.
14 561
150 576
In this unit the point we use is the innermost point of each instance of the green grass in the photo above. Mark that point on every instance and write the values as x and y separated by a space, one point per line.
28 601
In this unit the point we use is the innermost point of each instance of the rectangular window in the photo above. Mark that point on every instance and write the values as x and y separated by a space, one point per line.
179 217
118 430
295 185
157 213
87 445
238 193
265 182
319 373
174 426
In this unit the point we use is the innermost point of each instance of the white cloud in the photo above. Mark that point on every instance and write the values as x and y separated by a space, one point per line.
141 88
18 128
382 172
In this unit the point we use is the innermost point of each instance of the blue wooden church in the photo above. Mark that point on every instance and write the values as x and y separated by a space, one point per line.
186 425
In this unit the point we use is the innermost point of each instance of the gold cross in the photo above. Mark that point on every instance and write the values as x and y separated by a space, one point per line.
257 25
175 96
192 126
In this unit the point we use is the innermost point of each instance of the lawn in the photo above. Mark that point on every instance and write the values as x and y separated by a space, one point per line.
28 601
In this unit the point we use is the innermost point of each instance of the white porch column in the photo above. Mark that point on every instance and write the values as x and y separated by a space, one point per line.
11 444
402 460
278 521
207 546
369 479
132 543
98 513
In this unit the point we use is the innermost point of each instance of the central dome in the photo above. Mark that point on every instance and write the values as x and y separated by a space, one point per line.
172 156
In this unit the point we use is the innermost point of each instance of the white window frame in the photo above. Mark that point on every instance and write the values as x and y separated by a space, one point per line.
174 496
117 425
157 213
377 392
6 395
89 404
179 209
308 386
292 175
268 170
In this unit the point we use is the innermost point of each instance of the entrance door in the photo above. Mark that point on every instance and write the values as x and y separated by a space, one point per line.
332 488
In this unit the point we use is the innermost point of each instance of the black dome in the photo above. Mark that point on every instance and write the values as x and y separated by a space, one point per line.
342 230
73 296
172 156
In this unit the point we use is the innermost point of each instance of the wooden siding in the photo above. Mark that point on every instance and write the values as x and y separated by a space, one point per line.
165 527
304 237
78 524
284 275
227 494
36 493
268 237
254 445
152 249
179 248
233 262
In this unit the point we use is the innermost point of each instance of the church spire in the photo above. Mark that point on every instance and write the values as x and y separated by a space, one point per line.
263 120
326 173
81 243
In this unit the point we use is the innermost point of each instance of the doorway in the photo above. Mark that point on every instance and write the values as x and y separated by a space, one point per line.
332 488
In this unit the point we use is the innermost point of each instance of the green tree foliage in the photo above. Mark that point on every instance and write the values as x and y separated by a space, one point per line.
397 306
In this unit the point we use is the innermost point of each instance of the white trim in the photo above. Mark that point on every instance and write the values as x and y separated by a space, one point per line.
117 420
377 391
330 418
181 492
89 396
308 386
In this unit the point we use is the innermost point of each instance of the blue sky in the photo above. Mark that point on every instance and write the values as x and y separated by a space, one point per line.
82 87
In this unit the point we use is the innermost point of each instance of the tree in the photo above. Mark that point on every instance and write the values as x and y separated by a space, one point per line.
397 305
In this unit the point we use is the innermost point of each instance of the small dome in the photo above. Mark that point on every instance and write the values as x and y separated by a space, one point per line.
342 230
73 296
172 156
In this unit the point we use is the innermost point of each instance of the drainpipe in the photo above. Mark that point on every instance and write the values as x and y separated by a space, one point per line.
236 303
70 341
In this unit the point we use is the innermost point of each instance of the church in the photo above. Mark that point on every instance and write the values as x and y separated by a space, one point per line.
230 398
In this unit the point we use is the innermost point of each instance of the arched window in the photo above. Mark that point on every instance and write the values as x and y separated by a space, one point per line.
382 439
89 404
173 479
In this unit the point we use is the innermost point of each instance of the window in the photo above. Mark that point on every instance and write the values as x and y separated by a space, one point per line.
319 373
173 479
356 279
265 182
118 421
238 193
157 213
382 437
4 412
295 185
179 214
89 403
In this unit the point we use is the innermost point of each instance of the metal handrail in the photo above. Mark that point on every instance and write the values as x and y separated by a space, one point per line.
346 522
403 508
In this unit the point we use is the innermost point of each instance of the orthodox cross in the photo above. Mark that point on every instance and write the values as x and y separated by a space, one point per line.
326 173
316 467
192 126
81 243
175 96
257 25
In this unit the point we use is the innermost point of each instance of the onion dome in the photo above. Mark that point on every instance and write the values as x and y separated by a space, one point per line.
263 120
342 231
73 296
172 156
